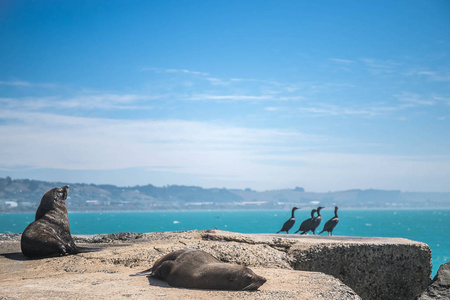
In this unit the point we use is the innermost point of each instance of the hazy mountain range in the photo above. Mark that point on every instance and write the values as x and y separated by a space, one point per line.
24 195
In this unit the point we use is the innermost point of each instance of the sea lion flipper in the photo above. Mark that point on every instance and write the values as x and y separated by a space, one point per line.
144 273
164 269
87 249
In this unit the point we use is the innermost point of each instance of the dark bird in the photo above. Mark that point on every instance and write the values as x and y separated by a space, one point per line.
289 223
306 225
331 223
316 221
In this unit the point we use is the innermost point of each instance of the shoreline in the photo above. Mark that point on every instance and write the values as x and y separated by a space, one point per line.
232 210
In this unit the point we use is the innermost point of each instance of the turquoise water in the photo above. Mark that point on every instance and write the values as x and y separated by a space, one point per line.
428 226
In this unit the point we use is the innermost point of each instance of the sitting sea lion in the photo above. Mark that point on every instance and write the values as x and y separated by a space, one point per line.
191 268
49 234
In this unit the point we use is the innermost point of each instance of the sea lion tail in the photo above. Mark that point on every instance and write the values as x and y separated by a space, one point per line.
87 249
259 281
252 286
143 273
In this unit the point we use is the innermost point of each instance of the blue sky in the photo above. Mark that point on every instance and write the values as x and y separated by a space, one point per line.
327 95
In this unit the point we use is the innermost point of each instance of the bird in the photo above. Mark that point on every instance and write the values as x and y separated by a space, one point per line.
316 221
289 223
305 226
331 223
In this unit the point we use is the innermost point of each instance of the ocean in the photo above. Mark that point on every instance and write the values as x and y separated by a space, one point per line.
429 226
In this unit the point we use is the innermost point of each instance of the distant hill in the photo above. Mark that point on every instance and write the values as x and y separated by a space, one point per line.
24 195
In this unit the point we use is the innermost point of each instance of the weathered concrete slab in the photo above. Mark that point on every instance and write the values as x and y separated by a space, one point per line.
105 274
374 268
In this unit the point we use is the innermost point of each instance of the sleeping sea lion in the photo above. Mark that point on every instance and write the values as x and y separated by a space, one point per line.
191 268
49 234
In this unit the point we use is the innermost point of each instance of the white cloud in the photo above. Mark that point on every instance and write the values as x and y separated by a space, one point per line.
377 67
334 110
216 155
273 108
48 140
106 101
342 61
183 71
230 97
33 134
437 75
15 83
27 84
217 81
445 100
28 103
414 100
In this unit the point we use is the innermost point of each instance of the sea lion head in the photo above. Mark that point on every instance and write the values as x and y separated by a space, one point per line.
54 199
243 279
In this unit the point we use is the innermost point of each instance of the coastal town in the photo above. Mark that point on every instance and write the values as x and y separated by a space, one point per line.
24 195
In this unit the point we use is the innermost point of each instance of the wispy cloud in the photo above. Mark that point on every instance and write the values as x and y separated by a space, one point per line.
342 61
407 101
438 76
445 100
217 81
376 66
334 110
182 71
414 100
27 84
15 83
28 103
231 97
39 135
106 101
274 108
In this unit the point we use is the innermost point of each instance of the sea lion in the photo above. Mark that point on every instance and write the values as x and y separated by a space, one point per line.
49 234
192 268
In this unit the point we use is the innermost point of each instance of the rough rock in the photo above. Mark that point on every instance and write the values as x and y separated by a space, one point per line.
440 287
297 267
375 268
105 274
387 269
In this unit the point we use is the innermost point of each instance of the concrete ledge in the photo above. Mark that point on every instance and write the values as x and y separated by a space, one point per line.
374 268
